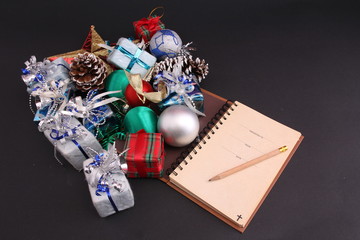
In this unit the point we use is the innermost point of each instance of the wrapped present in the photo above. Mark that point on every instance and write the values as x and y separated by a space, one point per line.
114 128
38 73
98 118
109 189
113 124
145 157
61 72
49 83
33 73
145 28
51 97
70 138
179 89
130 57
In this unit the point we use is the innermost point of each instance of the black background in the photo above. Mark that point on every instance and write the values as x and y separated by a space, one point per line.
295 61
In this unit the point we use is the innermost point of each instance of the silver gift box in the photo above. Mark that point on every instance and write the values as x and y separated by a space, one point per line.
122 198
71 150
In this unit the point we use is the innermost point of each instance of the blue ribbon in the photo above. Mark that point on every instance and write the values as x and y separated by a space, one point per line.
55 134
191 88
97 117
39 78
97 160
80 148
62 65
134 58
105 188
25 71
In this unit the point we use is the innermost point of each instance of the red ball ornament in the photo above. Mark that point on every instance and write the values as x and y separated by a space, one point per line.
133 99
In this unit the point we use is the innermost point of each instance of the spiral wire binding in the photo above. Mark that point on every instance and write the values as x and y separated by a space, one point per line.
204 135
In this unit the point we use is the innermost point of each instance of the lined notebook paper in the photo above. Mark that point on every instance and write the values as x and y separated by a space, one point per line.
240 135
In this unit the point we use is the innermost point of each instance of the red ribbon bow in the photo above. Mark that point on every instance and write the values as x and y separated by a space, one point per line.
146 27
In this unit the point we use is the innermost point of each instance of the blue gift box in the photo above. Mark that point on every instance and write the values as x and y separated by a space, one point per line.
128 56
102 113
102 121
179 90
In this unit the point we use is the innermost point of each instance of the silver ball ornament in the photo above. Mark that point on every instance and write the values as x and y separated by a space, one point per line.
179 125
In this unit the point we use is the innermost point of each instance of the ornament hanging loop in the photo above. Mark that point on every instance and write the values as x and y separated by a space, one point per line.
151 14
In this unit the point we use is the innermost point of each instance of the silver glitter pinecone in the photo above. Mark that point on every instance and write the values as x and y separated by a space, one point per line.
189 66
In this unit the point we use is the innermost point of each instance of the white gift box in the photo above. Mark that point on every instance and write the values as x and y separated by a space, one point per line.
128 56
116 199
76 150
61 72
57 70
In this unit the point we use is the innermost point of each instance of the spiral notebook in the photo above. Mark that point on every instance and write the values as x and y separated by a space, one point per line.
235 135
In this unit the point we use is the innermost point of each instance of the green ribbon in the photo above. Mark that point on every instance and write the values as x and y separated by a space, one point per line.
111 140
115 130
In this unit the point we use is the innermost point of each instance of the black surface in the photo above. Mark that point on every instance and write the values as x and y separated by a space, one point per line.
295 61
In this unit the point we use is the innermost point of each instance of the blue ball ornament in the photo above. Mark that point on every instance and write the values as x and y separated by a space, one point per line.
165 43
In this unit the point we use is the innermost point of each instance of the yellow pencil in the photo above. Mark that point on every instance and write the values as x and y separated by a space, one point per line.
249 163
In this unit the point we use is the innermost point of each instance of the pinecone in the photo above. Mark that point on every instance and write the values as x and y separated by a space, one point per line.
189 66
199 67
88 72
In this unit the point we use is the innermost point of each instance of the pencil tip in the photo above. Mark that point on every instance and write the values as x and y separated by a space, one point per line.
213 179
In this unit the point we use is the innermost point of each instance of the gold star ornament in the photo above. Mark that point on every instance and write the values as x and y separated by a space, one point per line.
90 45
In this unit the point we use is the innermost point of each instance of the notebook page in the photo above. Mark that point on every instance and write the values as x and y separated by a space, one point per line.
243 136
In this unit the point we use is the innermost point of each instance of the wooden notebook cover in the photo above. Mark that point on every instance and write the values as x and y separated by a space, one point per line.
259 201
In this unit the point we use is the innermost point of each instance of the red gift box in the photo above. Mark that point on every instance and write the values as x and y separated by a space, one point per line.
146 155
145 28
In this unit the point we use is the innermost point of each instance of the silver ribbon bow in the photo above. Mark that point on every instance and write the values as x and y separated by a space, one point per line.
33 68
87 108
62 128
47 82
38 73
52 94
104 165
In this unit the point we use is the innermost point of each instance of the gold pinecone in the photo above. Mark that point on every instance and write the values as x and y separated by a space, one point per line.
88 72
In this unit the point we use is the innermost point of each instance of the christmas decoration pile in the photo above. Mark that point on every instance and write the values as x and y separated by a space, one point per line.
143 91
